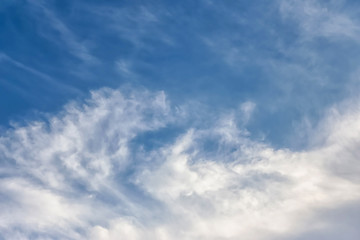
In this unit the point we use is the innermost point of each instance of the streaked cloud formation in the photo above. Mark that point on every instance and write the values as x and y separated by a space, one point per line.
186 120
85 174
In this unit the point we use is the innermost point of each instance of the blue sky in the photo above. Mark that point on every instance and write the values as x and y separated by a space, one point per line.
179 119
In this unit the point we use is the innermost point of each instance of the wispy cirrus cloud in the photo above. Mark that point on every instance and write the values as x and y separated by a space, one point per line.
86 174
299 52
128 164
135 24
38 74
69 40
321 20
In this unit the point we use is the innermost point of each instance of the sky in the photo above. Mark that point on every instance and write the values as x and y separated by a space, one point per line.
179 120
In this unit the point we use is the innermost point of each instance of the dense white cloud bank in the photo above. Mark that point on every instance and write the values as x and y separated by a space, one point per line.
87 173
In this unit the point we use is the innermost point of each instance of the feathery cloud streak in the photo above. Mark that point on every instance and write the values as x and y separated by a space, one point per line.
85 174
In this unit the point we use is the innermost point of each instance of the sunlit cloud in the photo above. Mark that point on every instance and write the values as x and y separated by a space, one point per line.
81 174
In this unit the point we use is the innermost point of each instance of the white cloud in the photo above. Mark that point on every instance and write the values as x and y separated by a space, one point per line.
85 175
